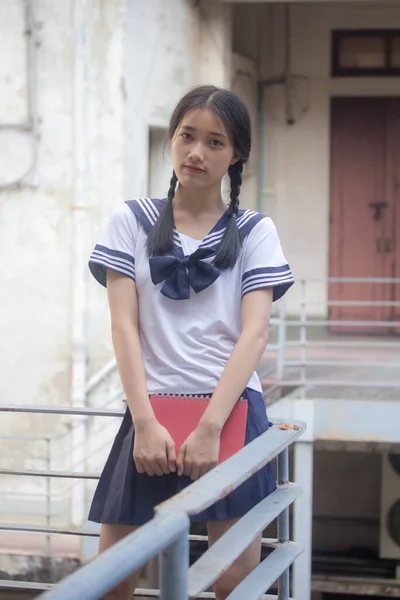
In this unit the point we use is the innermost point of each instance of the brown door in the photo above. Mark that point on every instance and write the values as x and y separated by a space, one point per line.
394 199
364 222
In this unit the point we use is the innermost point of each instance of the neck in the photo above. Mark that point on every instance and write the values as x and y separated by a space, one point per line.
199 201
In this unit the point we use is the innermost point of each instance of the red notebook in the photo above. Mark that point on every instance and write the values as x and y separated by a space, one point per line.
180 415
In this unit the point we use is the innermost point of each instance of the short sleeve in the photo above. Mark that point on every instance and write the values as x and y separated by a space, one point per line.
116 247
264 264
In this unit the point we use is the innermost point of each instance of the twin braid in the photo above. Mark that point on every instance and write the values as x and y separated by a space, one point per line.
172 186
160 240
235 174
229 248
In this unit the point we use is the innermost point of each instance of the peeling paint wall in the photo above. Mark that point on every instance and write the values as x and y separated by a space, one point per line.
139 58
36 221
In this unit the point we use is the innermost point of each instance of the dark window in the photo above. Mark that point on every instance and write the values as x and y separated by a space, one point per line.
366 53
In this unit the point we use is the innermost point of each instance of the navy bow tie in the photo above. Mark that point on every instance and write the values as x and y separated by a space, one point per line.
180 274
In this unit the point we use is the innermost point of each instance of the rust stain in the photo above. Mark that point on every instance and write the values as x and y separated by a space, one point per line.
286 427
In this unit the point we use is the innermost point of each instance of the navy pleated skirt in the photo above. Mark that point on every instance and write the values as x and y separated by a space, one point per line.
125 496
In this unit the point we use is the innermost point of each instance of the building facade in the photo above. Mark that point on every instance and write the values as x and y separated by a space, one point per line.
87 91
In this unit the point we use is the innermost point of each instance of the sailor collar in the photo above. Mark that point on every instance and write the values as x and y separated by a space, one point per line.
179 272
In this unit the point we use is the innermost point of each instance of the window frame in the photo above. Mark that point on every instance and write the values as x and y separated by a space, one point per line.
386 34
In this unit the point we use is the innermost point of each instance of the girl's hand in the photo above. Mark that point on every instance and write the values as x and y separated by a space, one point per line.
154 449
199 453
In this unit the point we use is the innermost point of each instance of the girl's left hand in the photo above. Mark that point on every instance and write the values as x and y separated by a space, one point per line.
199 452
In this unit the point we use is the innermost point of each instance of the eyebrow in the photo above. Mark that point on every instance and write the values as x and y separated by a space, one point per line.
216 133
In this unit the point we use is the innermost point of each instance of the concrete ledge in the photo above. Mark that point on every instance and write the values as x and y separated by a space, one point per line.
342 420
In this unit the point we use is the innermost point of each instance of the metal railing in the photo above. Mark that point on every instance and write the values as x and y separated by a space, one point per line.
328 346
167 534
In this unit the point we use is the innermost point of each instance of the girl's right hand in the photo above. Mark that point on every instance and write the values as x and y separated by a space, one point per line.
154 449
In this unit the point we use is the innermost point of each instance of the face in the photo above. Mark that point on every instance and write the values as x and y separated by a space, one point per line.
201 150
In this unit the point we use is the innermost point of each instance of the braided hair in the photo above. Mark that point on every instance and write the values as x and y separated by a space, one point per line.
161 238
231 242
232 112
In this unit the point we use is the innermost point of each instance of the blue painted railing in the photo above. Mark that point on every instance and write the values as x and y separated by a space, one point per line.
167 534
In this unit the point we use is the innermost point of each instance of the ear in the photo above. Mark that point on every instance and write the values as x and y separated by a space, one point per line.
235 160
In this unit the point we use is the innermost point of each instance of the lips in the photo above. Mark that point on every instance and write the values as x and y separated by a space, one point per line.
192 169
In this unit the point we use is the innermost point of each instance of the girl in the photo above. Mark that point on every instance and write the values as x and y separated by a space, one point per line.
190 283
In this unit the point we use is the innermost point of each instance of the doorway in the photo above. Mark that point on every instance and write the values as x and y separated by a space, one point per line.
365 212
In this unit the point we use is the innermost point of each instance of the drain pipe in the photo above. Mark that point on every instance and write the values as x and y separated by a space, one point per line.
78 209
261 146
286 81
262 141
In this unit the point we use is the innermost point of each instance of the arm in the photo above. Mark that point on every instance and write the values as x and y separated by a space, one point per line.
256 312
122 299
154 451
200 452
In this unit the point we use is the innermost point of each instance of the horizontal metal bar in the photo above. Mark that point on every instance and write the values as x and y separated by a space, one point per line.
227 476
323 322
121 560
363 587
338 383
342 343
361 303
211 565
350 280
60 410
245 462
27 126
267 572
155 594
25 586
52 474
23 438
19 527
340 363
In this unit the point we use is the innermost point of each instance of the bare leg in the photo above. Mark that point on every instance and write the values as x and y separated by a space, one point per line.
241 567
110 534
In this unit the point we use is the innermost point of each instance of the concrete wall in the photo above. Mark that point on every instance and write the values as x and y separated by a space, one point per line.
36 220
97 104
296 191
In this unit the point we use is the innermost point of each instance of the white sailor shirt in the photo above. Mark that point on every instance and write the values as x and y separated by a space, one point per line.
189 311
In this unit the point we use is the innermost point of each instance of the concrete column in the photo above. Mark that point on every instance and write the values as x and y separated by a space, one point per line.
302 512
215 45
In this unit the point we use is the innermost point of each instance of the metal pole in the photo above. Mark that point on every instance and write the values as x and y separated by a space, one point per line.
302 519
48 495
174 566
261 147
303 335
280 363
79 248
283 523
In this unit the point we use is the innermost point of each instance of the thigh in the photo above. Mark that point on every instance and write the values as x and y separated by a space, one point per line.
110 534
246 562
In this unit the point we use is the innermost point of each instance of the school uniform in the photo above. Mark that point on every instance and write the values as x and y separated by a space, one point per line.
189 323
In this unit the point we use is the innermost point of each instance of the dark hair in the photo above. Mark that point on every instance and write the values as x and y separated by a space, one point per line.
234 115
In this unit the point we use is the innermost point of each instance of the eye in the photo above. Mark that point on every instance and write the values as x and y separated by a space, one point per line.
186 136
215 143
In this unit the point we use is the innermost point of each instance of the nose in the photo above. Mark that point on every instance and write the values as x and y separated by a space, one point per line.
196 153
